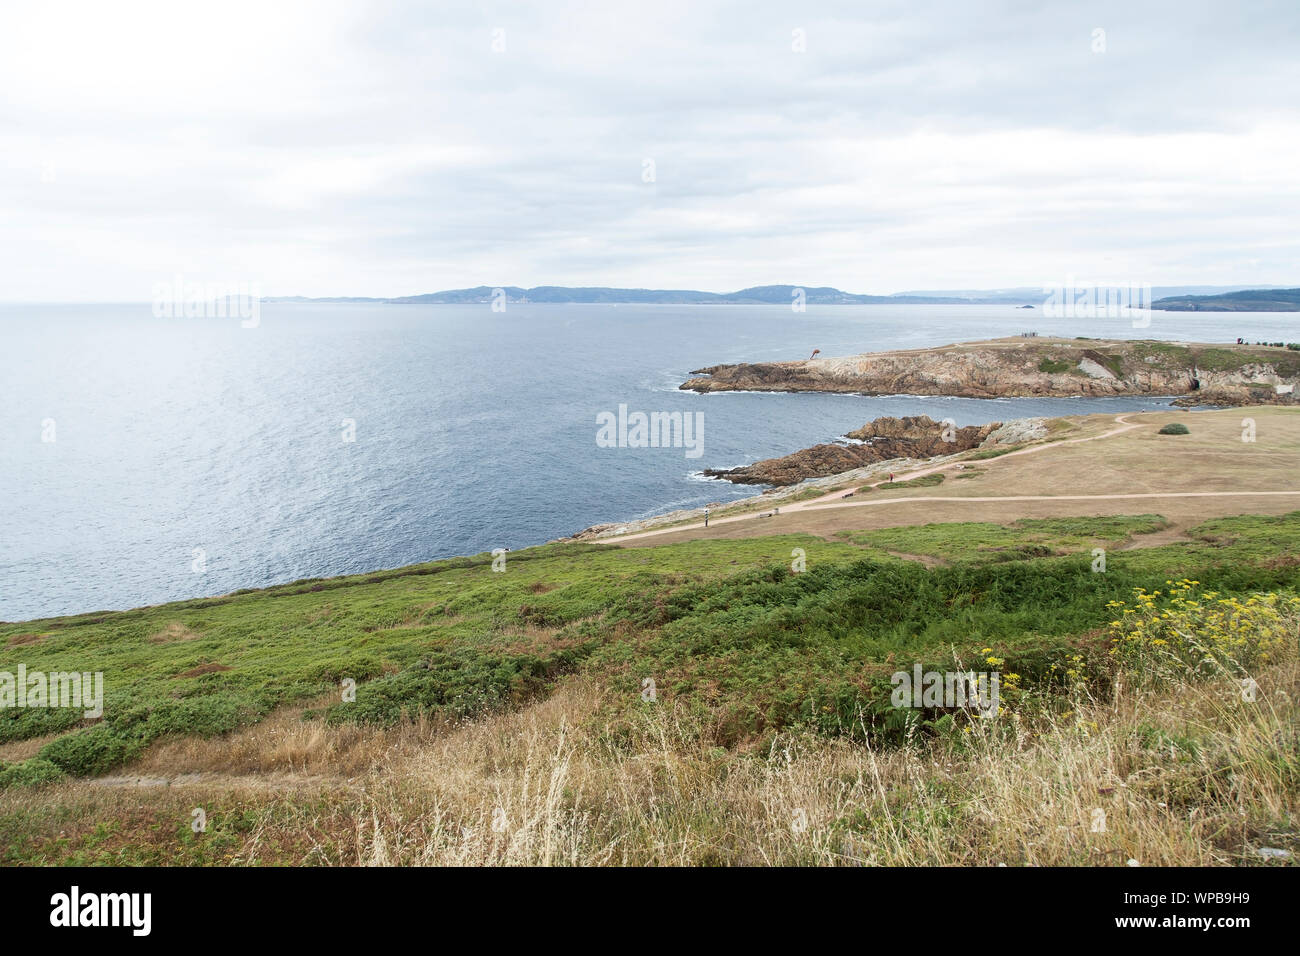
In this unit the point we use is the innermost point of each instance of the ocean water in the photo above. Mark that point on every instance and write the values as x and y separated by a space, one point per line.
148 459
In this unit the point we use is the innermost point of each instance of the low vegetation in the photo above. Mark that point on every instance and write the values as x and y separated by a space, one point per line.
1024 539
699 702
925 481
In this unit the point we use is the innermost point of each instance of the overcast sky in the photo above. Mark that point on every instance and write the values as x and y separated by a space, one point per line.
339 148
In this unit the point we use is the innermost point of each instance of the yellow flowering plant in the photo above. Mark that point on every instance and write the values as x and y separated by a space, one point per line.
1183 631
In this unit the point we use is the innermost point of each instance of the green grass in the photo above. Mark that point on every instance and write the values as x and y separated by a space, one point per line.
724 627
1054 366
986 453
1027 538
925 481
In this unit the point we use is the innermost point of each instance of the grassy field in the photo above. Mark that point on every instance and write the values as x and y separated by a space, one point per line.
1003 485
713 659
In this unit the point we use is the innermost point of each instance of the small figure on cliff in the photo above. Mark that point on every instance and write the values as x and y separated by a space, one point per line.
891 477
706 517
816 352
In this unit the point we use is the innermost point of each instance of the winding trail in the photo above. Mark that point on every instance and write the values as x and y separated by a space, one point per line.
834 499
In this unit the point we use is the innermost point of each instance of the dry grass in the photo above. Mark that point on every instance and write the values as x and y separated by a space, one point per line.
210 668
1192 776
20 639
1212 458
1006 794
284 745
173 632
16 750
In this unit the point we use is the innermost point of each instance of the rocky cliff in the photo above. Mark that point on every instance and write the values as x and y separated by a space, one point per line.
1233 374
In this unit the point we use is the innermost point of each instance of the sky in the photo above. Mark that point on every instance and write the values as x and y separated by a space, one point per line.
382 149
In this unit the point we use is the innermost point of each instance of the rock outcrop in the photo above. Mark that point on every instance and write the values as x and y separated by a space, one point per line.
886 438
1024 367
1016 432
1240 395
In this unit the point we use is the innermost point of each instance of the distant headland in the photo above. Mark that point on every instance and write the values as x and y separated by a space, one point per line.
1246 300
1236 374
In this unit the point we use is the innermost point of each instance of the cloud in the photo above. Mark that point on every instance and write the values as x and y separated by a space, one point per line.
380 149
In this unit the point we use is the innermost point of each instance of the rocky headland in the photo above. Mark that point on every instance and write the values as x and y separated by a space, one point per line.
1033 366
914 437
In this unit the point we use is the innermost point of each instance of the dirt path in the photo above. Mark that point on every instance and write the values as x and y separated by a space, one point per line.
278 781
1173 535
1145 494
833 499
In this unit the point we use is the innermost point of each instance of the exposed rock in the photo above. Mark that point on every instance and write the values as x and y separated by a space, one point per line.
1020 430
1094 369
595 531
1248 395
885 438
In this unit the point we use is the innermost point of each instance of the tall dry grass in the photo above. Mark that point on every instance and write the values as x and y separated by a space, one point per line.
1194 776
1191 775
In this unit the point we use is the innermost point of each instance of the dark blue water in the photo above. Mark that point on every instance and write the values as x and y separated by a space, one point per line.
474 429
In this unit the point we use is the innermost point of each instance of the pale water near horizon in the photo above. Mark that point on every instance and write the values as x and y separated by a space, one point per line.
473 429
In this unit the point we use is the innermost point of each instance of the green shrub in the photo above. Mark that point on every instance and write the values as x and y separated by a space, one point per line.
457 684
20 723
29 773
358 667
207 716
1053 366
86 753
1173 428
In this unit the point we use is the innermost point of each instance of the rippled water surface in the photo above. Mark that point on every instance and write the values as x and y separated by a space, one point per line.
473 429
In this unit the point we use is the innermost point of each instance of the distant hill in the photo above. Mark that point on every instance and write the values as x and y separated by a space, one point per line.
1247 300
758 295
1036 294
784 295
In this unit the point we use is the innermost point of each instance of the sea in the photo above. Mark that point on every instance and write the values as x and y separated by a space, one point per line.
145 459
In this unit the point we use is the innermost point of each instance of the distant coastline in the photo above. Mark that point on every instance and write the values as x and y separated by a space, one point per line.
786 295
1246 300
